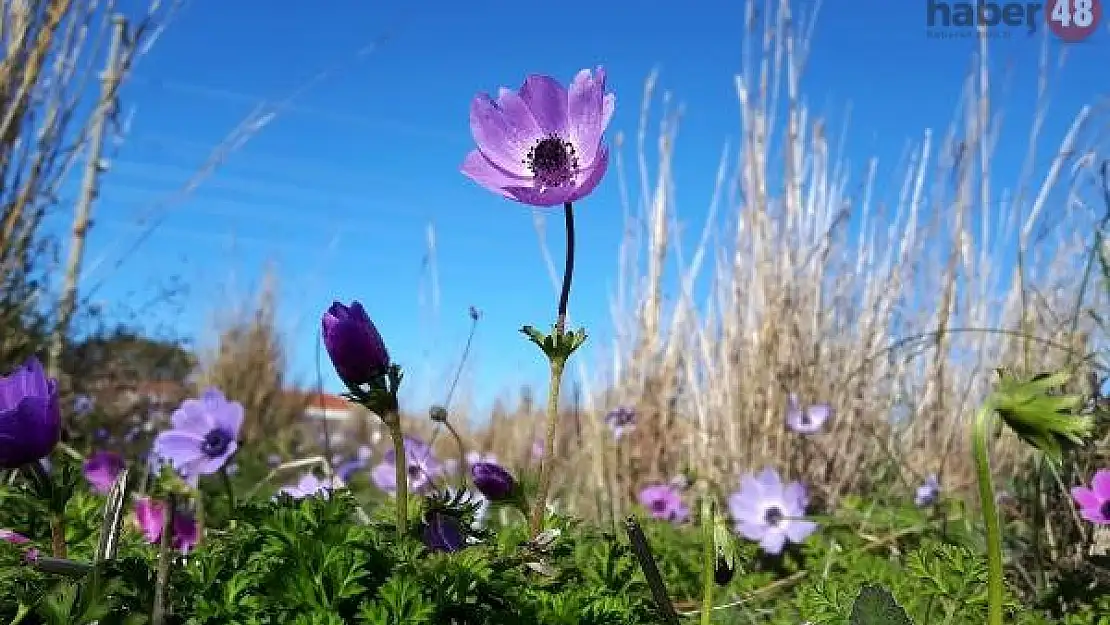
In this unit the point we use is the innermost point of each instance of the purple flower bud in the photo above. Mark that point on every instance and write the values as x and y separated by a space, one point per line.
492 480
353 343
443 532
30 417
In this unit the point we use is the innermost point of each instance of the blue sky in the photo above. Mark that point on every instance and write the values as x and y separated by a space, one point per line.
338 192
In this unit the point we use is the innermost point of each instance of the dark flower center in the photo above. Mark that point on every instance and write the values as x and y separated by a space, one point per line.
215 443
658 505
552 161
773 516
805 418
414 472
1105 509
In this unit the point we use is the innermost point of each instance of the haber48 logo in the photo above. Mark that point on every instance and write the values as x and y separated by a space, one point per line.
1073 20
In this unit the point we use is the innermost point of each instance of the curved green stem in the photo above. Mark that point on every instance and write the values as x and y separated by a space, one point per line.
981 432
709 562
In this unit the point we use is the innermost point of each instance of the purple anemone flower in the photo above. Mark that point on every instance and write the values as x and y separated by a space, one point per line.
422 467
492 480
928 492
83 405
309 486
664 502
621 420
204 435
543 145
443 532
353 343
150 515
14 538
765 510
808 419
1094 502
101 470
30 417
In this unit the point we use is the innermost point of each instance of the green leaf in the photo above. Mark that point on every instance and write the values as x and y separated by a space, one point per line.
876 606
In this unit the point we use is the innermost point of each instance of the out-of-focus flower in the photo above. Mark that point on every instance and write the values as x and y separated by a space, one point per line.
492 480
132 434
101 434
766 511
83 405
621 420
443 532
451 465
542 145
808 419
928 492
273 460
151 516
422 467
354 345
14 538
1094 502
309 486
30 417
664 502
204 435
101 470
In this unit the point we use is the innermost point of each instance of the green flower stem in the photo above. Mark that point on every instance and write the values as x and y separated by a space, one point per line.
58 535
709 562
979 437
464 468
228 488
402 475
21 614
548 459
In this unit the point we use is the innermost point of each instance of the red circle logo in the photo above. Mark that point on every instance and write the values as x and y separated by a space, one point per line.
1073 20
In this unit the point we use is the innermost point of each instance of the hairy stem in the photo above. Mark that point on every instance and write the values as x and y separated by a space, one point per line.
709 561
401 466
548 459
464 468
58 535
983 422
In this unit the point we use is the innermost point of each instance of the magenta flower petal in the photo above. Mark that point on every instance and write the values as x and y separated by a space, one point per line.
504 130
663 502
149 515
1100 484
482 170
1085 497
14 538
547 100
101 470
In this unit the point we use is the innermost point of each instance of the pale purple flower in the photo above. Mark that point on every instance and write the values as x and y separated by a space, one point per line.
766 511
204 435
101 434
537 449
83 405
422 467
621 420
1094 502
30 417
928 492
542 145
309 485
273 460
101 470
14 538
806 419
664 502
150 515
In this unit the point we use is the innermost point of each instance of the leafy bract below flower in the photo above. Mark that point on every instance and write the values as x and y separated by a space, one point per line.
151 515
101 470
1040 415
542 145
203 436
928 492
423 467
765 510
309 486
30 417
1094 502
354 345
806 419
621 420
664 502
